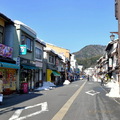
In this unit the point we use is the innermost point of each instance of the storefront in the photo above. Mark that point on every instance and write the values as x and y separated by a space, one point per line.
27 73
53 76
38 74
8 71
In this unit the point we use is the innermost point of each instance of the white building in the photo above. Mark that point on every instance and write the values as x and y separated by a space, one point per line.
74 67
89 71
73 63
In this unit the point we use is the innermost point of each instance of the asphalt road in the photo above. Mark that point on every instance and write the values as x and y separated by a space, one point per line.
81 100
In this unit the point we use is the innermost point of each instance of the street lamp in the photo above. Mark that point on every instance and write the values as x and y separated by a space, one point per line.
112 37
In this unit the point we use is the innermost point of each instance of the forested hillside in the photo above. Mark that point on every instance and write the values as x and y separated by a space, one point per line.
89 55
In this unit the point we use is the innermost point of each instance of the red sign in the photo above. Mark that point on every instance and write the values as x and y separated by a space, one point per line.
24 87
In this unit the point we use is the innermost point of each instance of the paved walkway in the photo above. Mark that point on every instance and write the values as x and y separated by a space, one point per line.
107 91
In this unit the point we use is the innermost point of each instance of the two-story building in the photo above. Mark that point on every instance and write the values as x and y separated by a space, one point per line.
25 51
102 67
112 58
51 62
107 65
39 49
8 67
65 53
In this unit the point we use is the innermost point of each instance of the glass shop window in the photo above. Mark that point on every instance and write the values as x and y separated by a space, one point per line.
25 40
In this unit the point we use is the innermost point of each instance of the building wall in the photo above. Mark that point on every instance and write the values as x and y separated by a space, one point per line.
119 17
73 61
60 50
39 63
38 45
9 35
2 22
19 30
9 74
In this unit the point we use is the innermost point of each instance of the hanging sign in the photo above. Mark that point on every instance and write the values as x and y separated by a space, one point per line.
110 62
23 49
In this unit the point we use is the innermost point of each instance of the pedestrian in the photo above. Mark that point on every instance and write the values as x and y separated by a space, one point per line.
1 89
88 78
102 82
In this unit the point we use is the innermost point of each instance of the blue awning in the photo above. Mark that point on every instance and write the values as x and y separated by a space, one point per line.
9 65
30 67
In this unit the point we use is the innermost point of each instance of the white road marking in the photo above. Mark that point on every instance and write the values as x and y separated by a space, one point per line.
17 113
92 92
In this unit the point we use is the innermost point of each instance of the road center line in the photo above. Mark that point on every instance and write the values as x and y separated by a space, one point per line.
61 113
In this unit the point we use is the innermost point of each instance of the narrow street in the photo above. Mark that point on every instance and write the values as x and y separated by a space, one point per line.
80 100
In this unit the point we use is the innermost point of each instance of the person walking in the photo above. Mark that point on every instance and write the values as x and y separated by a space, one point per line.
88 78
1 89
102 82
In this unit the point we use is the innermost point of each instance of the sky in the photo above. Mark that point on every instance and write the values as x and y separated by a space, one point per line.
70 24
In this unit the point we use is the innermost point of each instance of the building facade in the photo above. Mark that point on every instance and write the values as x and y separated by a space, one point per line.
39 49
8 67
60 51
75 71
51 62
25 52
65 54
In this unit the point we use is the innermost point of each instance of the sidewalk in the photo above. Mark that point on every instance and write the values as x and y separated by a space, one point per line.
10 96
117 99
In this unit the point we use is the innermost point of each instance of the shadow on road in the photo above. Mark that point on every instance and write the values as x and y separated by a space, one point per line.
16 99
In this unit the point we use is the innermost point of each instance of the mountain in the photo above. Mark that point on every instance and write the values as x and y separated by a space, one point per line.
88 55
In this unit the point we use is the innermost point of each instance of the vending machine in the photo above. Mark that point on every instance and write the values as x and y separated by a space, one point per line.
24 87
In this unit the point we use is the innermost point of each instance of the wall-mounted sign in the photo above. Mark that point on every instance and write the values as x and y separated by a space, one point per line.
5 51
110 62
17 61
23 49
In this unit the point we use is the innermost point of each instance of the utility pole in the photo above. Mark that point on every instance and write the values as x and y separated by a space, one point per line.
118 12
117 15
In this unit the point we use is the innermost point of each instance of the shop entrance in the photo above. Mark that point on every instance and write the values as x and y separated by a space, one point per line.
26 76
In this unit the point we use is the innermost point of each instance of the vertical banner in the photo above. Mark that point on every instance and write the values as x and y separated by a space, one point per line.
110 62
23 49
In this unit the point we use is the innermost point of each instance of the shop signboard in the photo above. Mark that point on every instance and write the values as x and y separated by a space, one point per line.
23 49
17 59
38 64
6 51
1 97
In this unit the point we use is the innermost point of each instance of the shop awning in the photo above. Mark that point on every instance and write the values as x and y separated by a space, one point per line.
55 73
30 67
9 65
